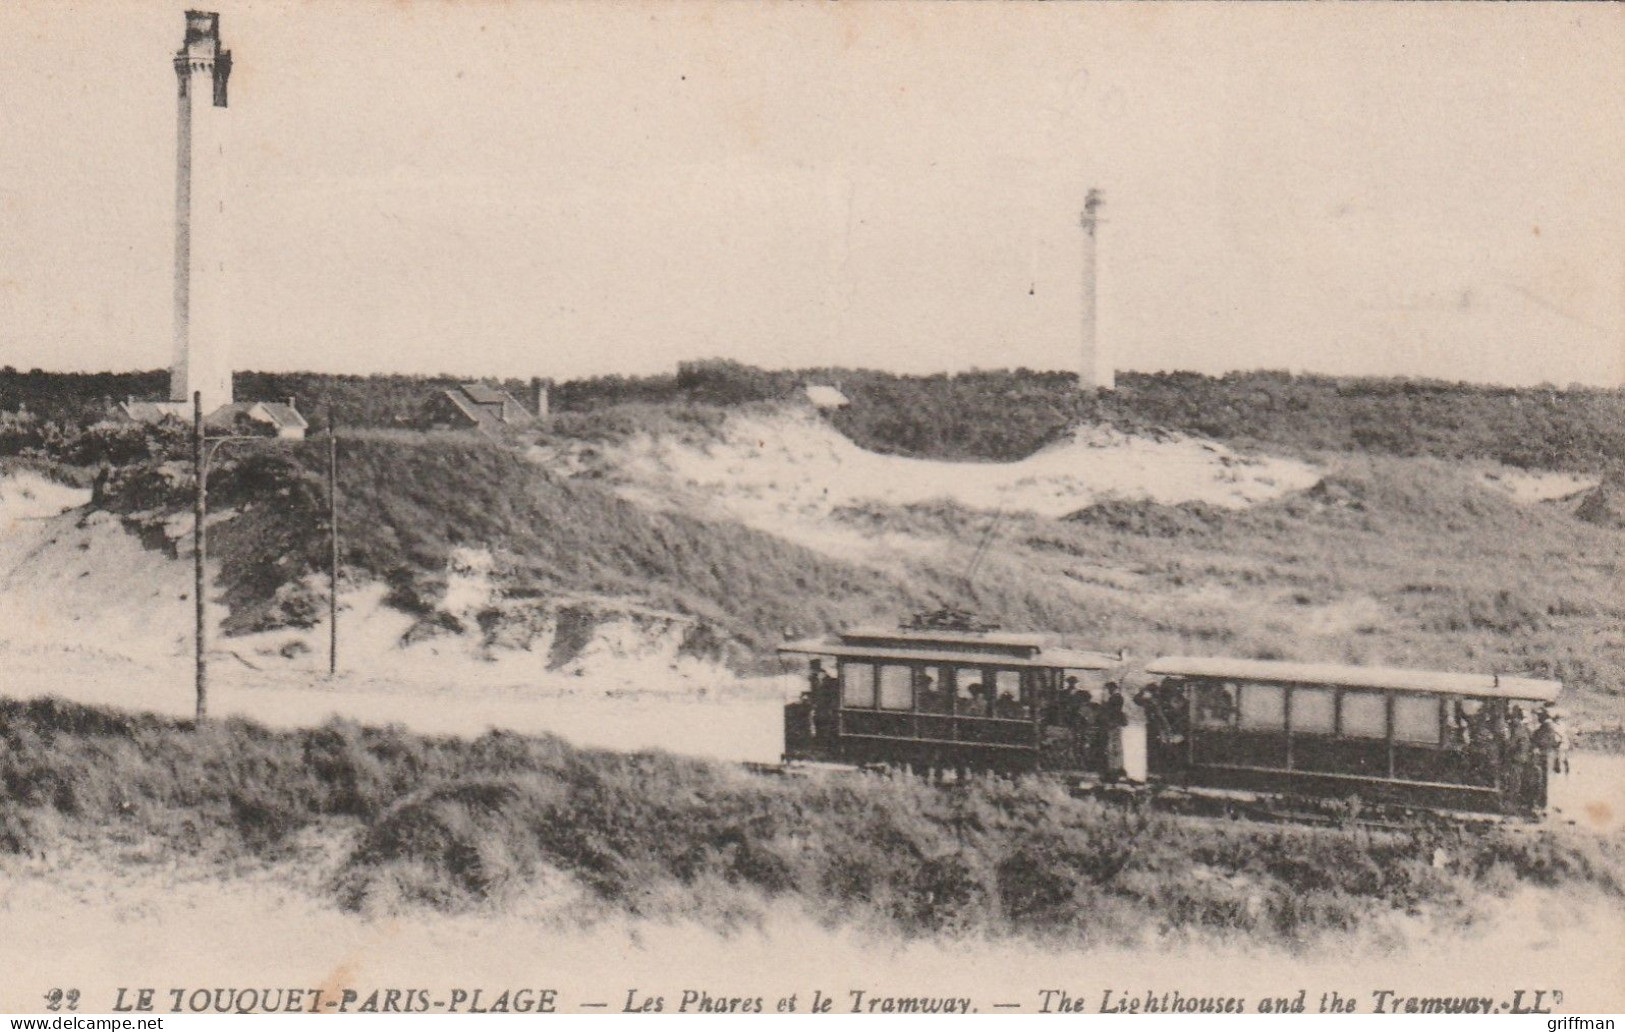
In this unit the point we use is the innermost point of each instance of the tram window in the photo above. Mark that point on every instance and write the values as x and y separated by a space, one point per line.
1215 704
858 685
1263 706
932 693
896 687
969 699
1365 715
1007 701
1416 719
1314 711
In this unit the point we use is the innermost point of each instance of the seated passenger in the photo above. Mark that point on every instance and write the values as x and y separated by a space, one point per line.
1215 705
1007 707
932 698
973 702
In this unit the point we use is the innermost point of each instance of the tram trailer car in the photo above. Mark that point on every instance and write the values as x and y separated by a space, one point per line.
937 700
1417 738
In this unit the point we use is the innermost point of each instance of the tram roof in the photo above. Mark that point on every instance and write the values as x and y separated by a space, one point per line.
989 639
1428 681
930 650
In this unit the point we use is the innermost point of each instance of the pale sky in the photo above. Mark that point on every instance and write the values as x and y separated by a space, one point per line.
507 188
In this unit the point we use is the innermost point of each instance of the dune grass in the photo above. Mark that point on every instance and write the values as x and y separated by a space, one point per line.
1386 561
408 500
463 825
1404 562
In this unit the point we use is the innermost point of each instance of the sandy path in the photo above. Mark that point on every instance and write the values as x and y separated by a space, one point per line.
732 729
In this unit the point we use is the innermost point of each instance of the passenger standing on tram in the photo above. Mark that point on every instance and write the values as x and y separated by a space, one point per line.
1460 731
1552 744
1091 725
1066 697
1518 757
826 699
1155 722
1056 733
1075 717
1116 719
1562 742
1483 741
1178 711
815 684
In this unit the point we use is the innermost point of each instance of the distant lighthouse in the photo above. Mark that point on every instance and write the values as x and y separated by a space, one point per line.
1095 368
202 301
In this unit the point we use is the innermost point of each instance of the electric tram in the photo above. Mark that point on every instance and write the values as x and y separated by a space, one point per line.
941 694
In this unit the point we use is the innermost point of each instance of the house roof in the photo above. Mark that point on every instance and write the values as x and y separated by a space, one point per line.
284 416
1423 681
480 394
279 414
485 407
155 411
477 414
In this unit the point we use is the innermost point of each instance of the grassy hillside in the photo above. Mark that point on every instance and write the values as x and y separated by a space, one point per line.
977 415
408 500
1399 557
1387 561
1398 561
456 824
1005 414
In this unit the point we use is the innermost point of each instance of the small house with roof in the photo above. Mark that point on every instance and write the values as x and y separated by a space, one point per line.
282 419
474 406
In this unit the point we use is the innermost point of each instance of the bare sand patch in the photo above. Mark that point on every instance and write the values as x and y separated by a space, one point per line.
784 472
1532 486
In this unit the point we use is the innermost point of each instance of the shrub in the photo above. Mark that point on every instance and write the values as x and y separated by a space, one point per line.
457 825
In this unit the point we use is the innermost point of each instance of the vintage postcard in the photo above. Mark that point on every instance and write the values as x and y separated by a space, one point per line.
851 508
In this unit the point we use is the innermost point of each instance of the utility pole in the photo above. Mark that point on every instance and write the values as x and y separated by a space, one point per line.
333 545
203 450
200 507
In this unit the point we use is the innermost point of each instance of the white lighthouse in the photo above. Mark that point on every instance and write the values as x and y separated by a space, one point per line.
1095 367
202 301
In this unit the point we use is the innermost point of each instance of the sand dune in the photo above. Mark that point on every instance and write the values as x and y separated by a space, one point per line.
785 472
